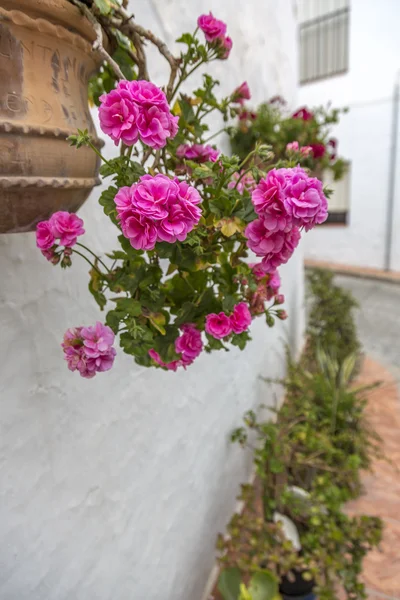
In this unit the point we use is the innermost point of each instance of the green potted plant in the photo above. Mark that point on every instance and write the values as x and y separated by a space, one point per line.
188 217
304 134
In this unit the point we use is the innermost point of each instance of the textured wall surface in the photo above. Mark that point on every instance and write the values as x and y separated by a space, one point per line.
115 488
364 136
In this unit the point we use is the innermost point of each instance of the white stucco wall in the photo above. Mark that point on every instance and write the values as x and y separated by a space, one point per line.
364 136
115 488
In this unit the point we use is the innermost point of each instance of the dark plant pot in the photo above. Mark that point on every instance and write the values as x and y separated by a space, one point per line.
298 589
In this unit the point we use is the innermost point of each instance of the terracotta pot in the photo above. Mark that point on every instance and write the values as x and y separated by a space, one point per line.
46 59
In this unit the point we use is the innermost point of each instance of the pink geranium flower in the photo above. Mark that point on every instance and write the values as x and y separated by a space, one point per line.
118 114
140 230
241 318
197 152
156 125
306 151
247 182
318 150
89 350
137 109
212 28
276 247
225 47
292 147
241 93
66 227
189 344
268 201
44 236
157 209
218 325
305 200
303 113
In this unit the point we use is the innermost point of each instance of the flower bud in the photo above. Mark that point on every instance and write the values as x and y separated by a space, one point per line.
279 299
66 261
282 315
292 147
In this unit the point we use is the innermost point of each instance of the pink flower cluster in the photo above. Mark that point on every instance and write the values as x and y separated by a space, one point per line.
157 209
247 182
285 200
197 152
318 150
268 285
189 345
220 325
294 147
304 114
241 93
62 228
214 31
89 350
137 109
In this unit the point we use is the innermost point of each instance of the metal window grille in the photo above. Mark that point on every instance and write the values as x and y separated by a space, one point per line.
324 43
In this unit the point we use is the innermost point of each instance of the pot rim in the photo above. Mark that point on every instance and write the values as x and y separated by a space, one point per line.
51 14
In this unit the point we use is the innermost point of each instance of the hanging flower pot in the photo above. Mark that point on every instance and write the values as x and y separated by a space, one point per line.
46 59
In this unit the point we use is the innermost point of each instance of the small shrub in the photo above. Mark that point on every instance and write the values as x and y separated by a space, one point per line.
331 323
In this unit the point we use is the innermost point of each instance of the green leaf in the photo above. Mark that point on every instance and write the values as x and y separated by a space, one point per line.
128 305
106 200
229 583
263 586
186 38
228 303
104 6
240 340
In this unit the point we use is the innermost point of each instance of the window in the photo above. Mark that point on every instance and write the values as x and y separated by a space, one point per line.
324 38
339 202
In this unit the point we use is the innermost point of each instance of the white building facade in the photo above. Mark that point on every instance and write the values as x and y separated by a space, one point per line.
115 488
366 134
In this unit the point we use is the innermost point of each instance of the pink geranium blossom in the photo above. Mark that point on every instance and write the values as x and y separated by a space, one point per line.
225 47
241 318
274 283
157 209
89 350
189 344
156 125
118 114
45 238
306 151
137 109
241 93
318 150
276 247
305 200
268 200
197 152
146 94
66 227
212 28
292 147
218 325
303 113
247 182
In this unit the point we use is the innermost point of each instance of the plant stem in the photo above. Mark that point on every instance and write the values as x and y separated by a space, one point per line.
88 261
184 76
214 134
241 176
93 254
93 147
